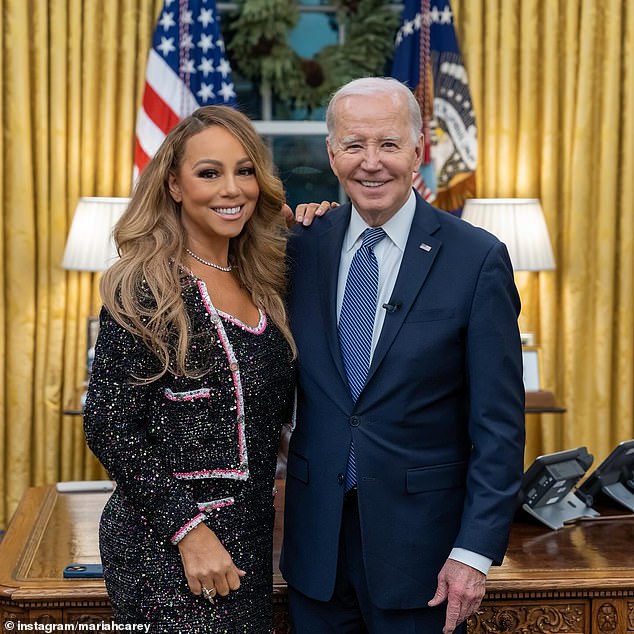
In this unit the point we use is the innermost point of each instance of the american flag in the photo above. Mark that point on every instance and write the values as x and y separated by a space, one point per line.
419 184
427 58
186 69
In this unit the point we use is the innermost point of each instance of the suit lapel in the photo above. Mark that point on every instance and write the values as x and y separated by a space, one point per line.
420 252
330 242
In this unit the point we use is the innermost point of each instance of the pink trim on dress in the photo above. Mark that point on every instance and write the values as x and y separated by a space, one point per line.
203 392
243 472
215 504
181 532
256 330
231 474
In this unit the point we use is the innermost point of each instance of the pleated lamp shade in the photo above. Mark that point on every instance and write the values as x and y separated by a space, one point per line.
520 224
90 245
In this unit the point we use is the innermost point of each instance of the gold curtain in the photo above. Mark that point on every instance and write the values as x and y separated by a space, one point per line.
552 83
72 73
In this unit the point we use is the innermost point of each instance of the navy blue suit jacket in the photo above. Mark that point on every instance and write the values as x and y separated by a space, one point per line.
439 427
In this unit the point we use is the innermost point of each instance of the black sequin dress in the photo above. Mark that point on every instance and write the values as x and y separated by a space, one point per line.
184 451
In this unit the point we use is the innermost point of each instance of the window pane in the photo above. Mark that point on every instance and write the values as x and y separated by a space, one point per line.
303 166
248 96
312 32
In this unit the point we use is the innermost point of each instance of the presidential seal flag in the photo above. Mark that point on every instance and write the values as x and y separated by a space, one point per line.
186 69
427 58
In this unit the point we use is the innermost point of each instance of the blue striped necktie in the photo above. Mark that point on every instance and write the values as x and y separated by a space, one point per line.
356 322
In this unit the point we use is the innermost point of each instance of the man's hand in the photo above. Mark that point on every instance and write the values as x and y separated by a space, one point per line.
306 212
463 588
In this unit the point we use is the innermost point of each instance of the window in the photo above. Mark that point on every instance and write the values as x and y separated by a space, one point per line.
296 136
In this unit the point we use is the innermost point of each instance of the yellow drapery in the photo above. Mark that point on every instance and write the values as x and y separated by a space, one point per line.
72 73
552 83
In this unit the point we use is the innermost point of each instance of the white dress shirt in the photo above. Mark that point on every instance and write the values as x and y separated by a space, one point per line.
389 255
388 252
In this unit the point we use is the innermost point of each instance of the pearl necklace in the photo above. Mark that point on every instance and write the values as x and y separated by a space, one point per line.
226 269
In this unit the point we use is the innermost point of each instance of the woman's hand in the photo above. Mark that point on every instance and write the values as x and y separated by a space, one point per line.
305 212
207 563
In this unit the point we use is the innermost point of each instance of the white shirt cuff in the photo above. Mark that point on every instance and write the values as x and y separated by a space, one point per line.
479 562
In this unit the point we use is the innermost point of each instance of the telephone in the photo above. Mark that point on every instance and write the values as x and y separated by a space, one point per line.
546 490
613 478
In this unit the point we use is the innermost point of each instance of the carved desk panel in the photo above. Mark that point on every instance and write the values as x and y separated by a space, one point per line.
578 580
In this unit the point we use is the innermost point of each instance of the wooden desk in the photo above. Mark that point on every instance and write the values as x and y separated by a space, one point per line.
578 580
47 532
542 402
51 530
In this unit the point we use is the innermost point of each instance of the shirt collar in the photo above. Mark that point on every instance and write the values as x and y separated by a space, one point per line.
396 228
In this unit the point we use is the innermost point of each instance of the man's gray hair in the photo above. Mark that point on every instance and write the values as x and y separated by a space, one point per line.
370 87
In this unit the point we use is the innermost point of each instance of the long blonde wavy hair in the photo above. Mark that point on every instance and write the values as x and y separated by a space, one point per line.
142 290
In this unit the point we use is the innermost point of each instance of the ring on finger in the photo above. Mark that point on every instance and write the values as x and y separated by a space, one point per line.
209 593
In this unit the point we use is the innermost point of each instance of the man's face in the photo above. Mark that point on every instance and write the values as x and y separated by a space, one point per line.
372 154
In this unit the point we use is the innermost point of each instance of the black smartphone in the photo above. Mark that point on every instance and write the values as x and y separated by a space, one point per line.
85 571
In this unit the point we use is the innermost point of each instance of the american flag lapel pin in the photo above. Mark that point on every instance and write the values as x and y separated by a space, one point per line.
424 246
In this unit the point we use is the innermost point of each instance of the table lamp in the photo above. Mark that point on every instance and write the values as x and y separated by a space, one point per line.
520 224
90 247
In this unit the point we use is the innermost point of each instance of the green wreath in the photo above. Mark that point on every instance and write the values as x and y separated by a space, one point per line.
259 48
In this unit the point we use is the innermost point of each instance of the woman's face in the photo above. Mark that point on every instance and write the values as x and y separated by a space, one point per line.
215 185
